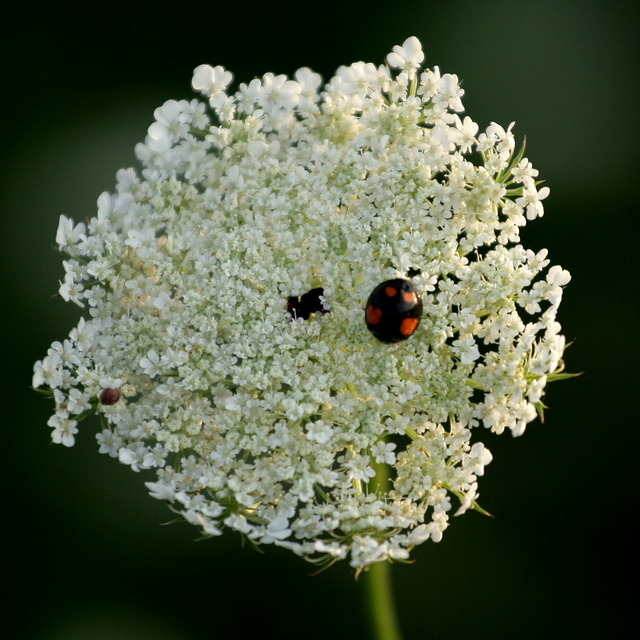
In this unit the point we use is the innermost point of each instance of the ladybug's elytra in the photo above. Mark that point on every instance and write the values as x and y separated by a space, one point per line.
393 310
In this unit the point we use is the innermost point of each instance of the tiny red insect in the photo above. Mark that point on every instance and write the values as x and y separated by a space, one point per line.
109 396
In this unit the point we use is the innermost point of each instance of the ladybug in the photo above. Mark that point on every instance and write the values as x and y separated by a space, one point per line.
393 310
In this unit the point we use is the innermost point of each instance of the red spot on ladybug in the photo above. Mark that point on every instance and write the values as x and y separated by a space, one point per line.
374 315
109 396
408 326
390 291
391 317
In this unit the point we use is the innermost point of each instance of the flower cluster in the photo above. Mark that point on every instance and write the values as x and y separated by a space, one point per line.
289 422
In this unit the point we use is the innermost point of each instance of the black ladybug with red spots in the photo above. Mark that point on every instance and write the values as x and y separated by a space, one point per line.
393 310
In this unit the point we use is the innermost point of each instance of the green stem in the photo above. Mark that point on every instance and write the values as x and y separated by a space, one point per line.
381 605
382 608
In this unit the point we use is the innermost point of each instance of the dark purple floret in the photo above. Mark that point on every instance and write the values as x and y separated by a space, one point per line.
307 304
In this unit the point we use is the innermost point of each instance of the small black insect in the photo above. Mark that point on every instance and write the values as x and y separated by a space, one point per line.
393 310
305 305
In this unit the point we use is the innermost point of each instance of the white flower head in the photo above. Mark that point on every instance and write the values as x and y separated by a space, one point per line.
226 345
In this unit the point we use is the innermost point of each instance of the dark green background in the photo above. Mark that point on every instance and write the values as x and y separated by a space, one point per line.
85 557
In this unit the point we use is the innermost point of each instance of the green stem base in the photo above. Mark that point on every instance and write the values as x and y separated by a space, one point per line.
382 608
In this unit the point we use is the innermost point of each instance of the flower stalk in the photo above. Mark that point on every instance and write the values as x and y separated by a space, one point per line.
381 604
378 582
